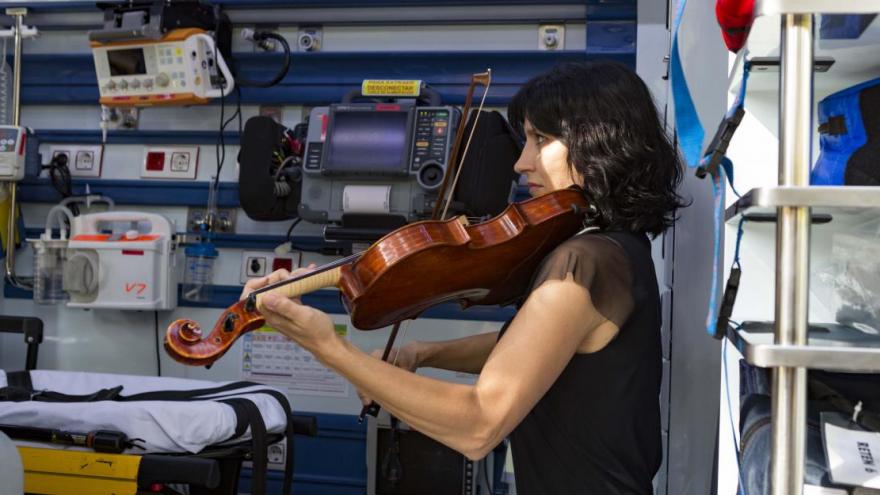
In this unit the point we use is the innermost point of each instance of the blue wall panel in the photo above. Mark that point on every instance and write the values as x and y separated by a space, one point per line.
134 192
317 78
146 192
134 136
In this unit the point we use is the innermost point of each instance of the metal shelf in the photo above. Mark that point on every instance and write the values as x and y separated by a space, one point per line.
776 7
855 203
831 347
840 63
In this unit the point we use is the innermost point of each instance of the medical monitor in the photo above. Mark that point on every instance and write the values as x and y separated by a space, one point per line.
368 140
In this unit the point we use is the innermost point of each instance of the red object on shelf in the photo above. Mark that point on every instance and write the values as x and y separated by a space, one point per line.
735 18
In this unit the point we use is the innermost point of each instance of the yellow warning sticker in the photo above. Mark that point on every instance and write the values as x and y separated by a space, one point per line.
388 87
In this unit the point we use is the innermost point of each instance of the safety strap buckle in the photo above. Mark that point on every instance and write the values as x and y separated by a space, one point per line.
718 146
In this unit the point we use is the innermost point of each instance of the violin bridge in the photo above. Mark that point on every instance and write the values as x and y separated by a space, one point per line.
463 220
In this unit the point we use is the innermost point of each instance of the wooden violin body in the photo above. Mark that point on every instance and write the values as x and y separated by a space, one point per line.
427 263
414 268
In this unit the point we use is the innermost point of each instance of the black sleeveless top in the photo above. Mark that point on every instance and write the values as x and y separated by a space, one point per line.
597 429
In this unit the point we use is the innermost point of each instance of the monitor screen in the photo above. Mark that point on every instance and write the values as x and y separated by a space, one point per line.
127 62
367 141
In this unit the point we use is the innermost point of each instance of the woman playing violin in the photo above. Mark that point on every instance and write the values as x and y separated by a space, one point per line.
574 378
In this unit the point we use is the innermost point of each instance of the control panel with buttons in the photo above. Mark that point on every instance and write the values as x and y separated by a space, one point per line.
431 139
176 70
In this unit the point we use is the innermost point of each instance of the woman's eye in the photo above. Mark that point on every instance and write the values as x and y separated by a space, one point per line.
540 139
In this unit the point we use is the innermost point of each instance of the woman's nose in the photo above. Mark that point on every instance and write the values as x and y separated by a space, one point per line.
523 164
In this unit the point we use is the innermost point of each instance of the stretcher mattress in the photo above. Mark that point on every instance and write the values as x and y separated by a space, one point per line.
164 426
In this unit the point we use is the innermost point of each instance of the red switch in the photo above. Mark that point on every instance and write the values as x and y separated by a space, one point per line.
156 161
279 263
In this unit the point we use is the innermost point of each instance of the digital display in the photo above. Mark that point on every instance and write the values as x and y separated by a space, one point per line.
367 142
128 62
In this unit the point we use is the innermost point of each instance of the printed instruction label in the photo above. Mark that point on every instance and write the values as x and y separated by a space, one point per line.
270 358
853 456
387 87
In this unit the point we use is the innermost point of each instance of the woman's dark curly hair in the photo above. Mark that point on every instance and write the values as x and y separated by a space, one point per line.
605 115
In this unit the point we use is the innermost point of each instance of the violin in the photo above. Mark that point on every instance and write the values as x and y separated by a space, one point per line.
411 269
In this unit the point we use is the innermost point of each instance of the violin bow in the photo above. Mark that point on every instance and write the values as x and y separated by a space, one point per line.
484 78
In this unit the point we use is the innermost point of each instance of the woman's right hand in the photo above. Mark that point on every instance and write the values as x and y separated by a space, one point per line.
405 357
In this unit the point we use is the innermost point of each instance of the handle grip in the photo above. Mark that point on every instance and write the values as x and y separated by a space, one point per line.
372 409
221 64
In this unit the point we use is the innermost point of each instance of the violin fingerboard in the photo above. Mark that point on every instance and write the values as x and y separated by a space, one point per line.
321 280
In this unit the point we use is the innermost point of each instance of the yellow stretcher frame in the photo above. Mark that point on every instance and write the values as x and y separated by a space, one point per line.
50 471
62 472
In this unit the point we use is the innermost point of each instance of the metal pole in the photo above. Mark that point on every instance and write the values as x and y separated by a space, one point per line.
16 71
16 120
792 253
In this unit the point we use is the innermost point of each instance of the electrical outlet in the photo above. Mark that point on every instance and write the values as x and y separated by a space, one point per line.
170 162
224 223
261 263
551 37
255 266
276 453
83 160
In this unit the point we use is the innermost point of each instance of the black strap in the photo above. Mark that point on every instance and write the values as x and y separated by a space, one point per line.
182 395
20 394
19 379
727 302
248 415
834 126
718 146
868 420
241 418
15 394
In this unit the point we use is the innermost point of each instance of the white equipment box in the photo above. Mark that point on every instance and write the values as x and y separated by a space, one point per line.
175 70
121 260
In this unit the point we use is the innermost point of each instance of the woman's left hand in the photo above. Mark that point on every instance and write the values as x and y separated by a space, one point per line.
311 328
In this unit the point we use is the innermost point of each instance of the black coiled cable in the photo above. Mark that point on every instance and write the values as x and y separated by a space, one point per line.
285 66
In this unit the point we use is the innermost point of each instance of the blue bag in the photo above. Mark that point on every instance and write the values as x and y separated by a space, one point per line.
844 26
849 137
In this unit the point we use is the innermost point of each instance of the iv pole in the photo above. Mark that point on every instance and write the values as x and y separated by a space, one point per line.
18 14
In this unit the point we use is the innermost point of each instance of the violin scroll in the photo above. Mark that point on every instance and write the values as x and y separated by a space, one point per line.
186 343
